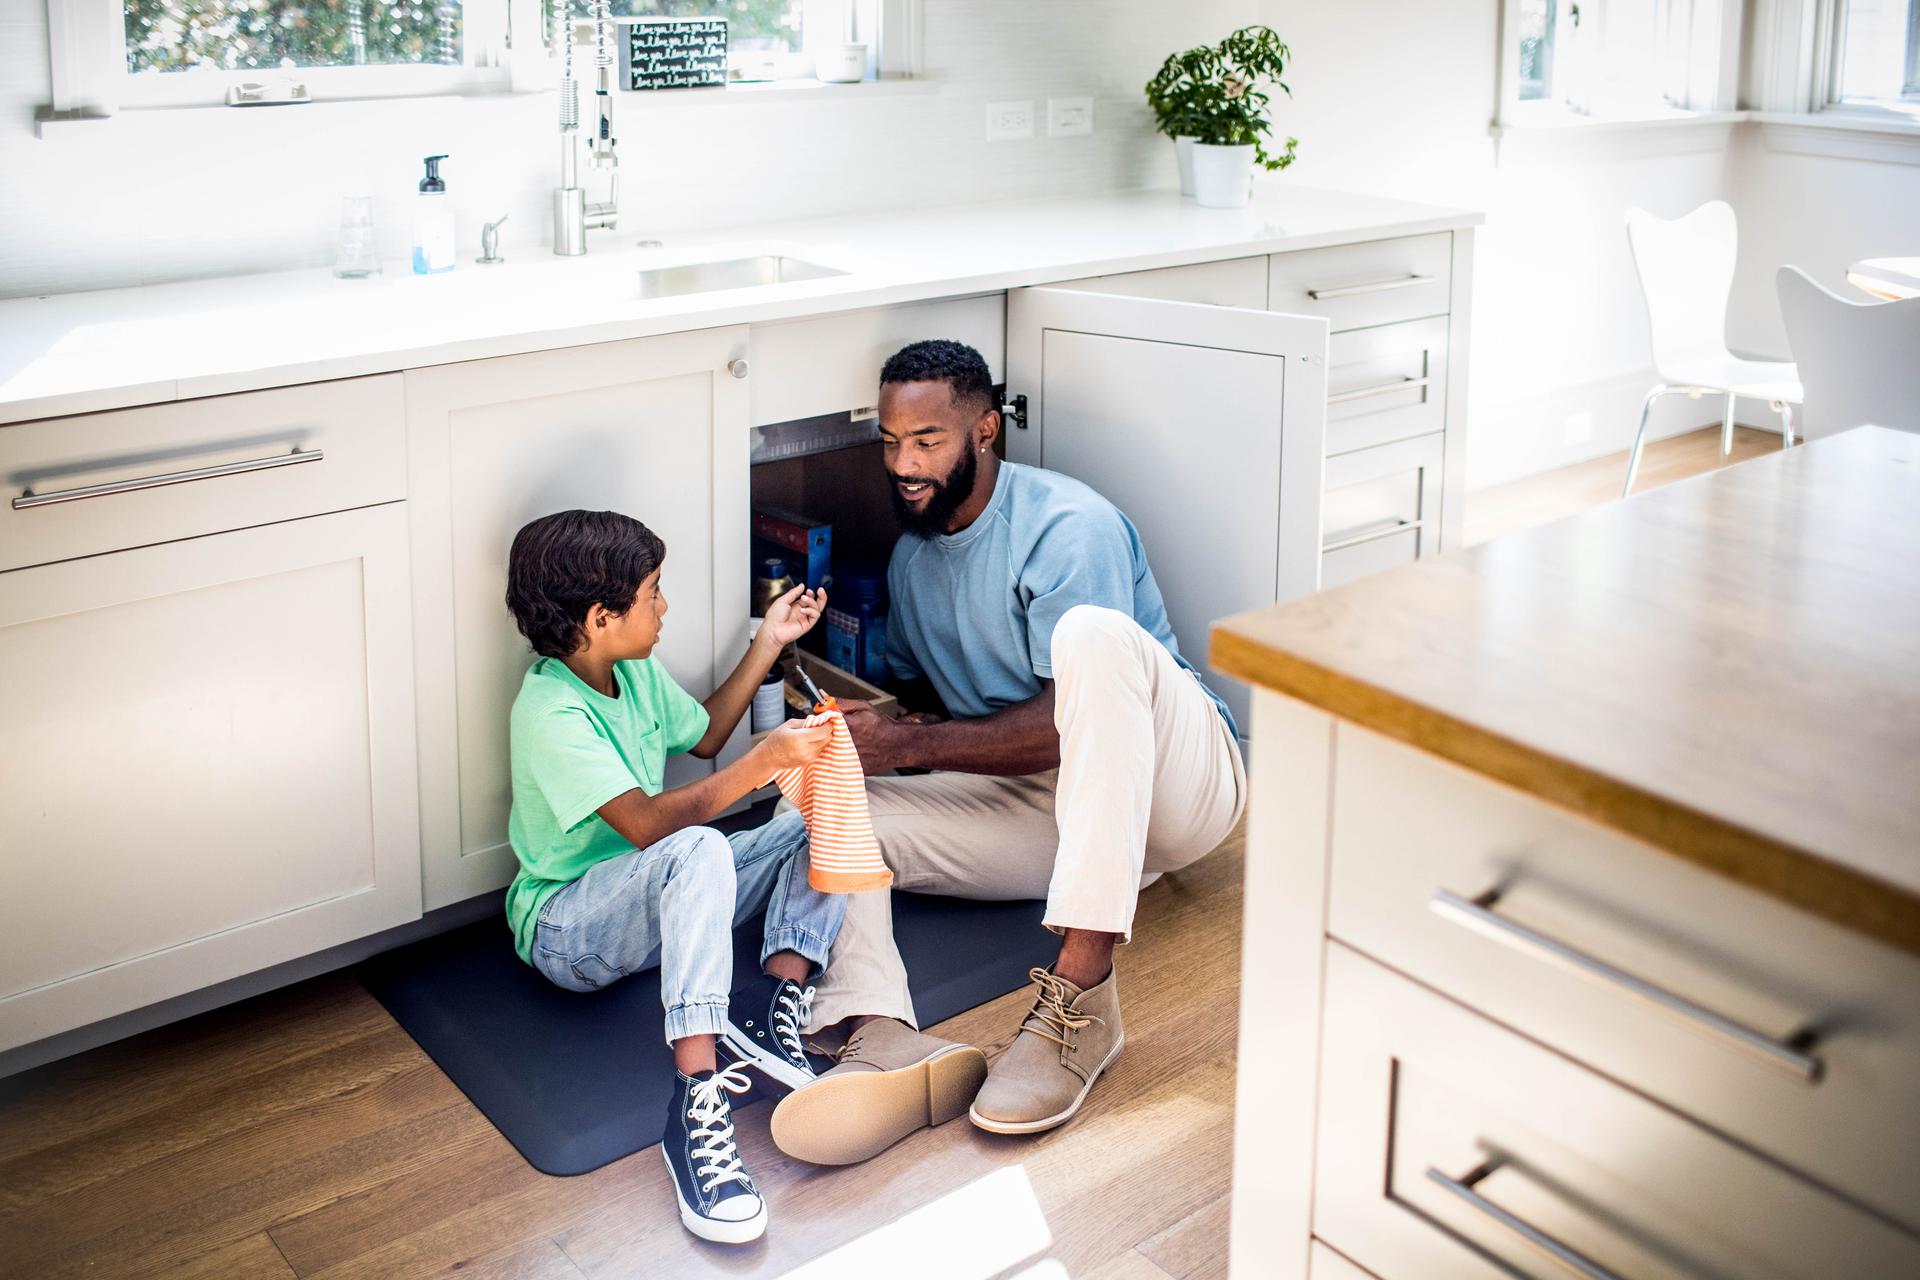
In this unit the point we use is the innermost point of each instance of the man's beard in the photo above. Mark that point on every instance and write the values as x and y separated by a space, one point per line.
943 500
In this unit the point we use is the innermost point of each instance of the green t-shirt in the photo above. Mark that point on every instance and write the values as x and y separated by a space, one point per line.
573 749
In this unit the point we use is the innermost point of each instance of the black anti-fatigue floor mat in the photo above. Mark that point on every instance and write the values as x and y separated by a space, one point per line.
577 1080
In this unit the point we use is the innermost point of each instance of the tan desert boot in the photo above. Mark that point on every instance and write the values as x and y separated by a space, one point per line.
1068 1039
890 1082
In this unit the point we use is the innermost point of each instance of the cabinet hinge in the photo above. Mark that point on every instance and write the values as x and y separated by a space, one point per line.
1015 408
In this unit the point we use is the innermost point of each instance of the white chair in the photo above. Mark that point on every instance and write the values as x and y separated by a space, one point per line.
1860 360
1686 271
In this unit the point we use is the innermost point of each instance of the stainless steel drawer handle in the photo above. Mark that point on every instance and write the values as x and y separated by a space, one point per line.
1564 1254
1391 527
1477 914
1376 286
32 499
1385 388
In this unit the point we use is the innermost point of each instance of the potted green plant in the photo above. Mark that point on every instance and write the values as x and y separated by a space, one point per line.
1217 96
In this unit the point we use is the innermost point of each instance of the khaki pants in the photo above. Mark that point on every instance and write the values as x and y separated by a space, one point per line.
1150 779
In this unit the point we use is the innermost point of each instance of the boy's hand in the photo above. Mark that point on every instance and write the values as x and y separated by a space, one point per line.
792 616
794 743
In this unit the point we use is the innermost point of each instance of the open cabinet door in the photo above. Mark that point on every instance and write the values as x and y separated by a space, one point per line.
1203 424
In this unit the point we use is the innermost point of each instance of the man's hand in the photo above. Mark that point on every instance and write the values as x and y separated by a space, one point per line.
881 742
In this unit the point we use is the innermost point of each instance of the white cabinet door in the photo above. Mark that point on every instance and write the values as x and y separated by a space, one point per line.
209 751
654 427
1203 423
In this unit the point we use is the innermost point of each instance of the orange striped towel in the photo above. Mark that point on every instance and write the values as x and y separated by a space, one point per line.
831 794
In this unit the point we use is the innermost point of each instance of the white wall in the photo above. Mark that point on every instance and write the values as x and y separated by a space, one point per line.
1397 98
236 191
1817 212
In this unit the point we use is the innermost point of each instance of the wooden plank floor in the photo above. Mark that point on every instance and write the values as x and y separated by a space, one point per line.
304 1134
1571 490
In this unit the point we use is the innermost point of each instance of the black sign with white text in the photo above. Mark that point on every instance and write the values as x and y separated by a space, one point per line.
676 53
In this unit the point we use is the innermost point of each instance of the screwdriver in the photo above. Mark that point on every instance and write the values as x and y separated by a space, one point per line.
821 701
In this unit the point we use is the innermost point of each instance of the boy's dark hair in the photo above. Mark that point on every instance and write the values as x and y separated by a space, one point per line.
943 360
563 564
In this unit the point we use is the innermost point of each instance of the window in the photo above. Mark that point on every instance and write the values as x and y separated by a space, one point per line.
1877 52
766 39
1616 59
239 35
104 55
1536 49
189 52
753 26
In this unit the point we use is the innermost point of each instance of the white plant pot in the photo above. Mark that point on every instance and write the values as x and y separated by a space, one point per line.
1183 156
1222 176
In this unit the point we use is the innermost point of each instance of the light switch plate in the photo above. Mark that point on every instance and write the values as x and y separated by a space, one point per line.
1069 117
1009 121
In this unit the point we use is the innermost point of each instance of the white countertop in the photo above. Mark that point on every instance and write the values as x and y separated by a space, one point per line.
83 352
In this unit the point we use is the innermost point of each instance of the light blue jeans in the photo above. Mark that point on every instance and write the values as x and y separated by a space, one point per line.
675 904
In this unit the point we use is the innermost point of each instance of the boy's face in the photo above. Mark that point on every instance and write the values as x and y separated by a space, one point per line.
633 633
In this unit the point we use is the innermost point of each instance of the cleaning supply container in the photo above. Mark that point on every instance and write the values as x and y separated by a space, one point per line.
857 625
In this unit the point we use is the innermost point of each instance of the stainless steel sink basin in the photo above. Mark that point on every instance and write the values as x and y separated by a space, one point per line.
730 273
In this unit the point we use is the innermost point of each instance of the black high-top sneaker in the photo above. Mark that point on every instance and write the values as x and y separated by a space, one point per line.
764 1021
718 1200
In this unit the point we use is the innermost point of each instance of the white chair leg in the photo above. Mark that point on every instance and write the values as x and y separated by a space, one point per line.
1726 429
1786 423
1640 437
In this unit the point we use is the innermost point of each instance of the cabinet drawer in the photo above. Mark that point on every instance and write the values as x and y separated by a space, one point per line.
830 364
1237 282
167 471
1396 547
1449 1148
1381 507
1385 384
1655 972
1355 285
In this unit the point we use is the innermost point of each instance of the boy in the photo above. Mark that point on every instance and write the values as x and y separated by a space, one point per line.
617 874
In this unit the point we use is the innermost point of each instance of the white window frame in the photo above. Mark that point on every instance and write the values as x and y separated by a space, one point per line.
1828 47
87 42
87 63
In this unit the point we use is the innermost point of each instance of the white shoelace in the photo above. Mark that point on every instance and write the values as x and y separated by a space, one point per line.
713 1111
790 1013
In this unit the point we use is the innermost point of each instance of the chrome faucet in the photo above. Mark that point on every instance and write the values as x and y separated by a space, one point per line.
573 213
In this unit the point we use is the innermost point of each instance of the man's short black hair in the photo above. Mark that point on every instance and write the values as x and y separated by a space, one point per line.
943 360
563 564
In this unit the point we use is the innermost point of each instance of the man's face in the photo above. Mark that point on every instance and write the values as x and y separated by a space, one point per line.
929 445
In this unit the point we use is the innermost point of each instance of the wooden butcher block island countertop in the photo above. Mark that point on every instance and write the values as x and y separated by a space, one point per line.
1727 668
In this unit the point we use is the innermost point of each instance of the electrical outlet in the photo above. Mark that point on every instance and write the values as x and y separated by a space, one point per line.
1578 428
1009 121
1069 117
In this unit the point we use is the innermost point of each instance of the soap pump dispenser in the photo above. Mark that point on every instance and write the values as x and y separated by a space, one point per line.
432 223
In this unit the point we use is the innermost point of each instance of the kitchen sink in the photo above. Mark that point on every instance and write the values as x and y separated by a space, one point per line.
729 273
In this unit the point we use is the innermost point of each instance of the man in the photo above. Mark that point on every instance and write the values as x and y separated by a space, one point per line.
1082 754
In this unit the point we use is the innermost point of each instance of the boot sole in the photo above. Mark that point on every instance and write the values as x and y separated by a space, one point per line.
849 1118
719 1232
1052 1121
